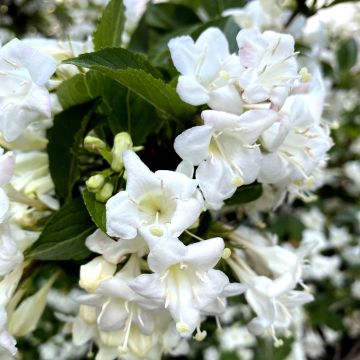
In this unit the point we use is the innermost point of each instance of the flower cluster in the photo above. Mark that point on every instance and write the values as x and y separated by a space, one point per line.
264 122
261 127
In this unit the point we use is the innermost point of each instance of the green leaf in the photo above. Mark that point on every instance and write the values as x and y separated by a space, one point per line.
135 73
169 16
63 237
347 55
96 210
245 194
63 147
109 30
115 58
288 226
155 91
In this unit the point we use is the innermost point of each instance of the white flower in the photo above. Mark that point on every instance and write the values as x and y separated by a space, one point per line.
224 150
10 255
271 299
23 96
235 337
207 71
355 289
164 199
7 162
119 307
339 236
255 15
322 267
296 146
183 279
313 344
32 177
270 64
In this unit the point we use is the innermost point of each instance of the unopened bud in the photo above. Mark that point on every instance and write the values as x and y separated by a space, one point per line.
94 144
94 272
105 193
95 183
122 142
88 313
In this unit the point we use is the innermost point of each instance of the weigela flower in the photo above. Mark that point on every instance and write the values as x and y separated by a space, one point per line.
295 145
164 199
183 279
270 65
224 150
207 71
24 99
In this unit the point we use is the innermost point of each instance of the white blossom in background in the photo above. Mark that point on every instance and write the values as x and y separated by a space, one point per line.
24 99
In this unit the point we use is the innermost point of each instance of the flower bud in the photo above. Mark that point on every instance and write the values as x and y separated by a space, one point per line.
122 142
94 272
95 183
94 144
105 193
88 313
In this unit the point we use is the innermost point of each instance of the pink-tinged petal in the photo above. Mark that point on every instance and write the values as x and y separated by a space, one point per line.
122 217
184 54
252 46
193 144
205 254
140 179
191 91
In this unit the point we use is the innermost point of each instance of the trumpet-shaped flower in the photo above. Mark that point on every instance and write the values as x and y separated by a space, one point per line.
224 150
207 71
184 279
23 96
270 65
164 199
119 307
296 146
